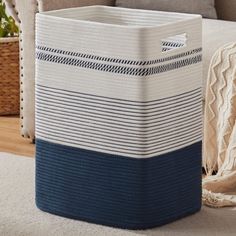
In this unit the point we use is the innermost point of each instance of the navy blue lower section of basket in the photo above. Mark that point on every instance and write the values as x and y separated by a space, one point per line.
118 191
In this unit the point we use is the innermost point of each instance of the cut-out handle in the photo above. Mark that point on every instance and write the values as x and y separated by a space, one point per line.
174 42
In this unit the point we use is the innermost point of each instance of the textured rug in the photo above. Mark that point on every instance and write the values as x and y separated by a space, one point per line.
20 217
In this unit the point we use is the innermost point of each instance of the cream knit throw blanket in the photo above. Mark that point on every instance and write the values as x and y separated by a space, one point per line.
219 146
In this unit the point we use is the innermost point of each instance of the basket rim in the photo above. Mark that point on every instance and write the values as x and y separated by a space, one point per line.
55 14
9 39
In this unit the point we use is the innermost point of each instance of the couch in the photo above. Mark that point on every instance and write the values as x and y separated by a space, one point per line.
215 34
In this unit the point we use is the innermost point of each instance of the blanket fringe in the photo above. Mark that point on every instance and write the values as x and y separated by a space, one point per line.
217 200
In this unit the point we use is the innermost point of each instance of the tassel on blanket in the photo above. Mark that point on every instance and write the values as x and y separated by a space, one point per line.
217 200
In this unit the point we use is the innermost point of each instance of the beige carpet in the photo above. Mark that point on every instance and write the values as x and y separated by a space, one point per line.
19 216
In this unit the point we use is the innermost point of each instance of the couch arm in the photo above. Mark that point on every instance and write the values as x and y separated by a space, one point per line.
24 12
226 9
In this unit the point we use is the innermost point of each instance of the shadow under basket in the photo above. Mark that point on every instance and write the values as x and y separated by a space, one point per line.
9 76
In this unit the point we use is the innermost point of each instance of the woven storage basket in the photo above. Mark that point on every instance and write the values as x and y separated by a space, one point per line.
9 76
118 115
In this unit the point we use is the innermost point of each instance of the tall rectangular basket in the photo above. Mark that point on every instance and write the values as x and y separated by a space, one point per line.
118 115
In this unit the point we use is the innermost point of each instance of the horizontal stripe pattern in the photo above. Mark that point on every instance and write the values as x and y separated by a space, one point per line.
118 126
117 69
118 191
116 60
